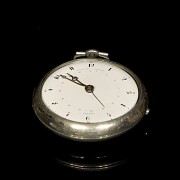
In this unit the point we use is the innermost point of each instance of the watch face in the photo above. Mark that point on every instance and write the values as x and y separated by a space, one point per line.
89 91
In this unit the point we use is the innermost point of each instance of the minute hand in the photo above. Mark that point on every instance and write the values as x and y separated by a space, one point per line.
74 79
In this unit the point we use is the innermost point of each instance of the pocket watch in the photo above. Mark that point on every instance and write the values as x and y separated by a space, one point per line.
90 98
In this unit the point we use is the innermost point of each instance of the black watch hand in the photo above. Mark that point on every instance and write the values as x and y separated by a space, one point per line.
74 79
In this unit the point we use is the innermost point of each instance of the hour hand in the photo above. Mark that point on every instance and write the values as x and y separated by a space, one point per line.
65 77
74 78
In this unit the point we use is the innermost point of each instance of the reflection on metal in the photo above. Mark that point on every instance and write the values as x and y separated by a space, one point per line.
103 126
147 111
95 163
79 126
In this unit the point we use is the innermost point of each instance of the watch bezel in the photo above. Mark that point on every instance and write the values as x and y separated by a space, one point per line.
90 131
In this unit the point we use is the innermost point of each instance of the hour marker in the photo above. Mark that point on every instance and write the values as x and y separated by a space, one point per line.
56 77
123 105
68 114
91 65
71 68
124 78
109 114
109 69
50 89
87 118
130 92
54 103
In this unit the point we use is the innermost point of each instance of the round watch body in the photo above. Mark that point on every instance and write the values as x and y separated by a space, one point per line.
90 98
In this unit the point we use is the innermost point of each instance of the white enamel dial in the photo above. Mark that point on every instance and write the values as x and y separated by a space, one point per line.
90 91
